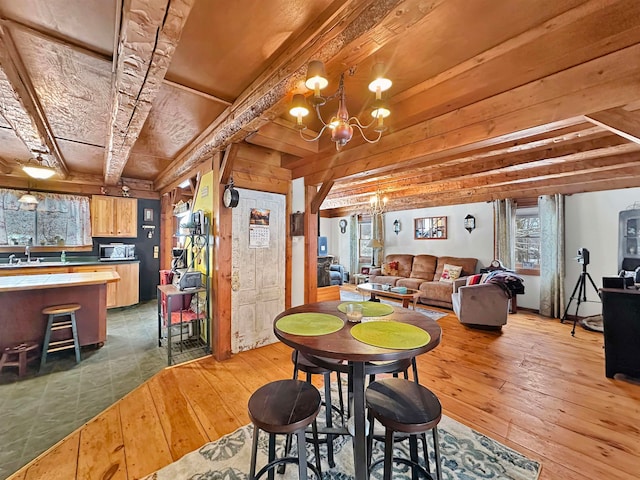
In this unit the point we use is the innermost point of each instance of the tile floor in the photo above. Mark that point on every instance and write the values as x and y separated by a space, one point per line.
42 408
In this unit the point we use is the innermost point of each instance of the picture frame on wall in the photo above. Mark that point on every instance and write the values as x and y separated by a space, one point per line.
148 215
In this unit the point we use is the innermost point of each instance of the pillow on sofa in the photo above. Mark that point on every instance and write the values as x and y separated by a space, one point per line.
450 273
390 268
474 279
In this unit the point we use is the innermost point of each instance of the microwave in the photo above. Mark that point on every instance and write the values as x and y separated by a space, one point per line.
117 251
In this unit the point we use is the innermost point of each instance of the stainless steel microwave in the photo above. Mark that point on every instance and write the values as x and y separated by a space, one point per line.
117 251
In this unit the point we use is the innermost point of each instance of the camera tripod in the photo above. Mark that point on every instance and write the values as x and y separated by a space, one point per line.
581 288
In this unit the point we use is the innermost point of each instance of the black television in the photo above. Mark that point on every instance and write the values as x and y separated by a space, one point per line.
322 246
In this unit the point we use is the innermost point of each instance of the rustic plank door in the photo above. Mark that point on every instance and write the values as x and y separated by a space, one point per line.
258 268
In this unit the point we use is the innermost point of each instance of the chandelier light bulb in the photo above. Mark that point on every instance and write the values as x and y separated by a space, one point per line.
299 109
379 83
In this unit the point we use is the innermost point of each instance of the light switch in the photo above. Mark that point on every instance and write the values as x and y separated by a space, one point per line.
156 251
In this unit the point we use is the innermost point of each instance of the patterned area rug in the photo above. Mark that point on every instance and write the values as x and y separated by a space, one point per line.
357 297
465 455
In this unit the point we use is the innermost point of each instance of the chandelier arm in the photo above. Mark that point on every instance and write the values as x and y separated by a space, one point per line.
319 115
361 126
306 139
357 125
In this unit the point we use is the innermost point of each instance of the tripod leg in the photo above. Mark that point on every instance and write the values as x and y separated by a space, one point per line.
593 284
582 294
573 294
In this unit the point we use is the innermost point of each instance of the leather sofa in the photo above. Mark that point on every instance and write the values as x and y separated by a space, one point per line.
423 272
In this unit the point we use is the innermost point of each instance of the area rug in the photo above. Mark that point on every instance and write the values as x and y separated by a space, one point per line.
465 455
593 323
357 297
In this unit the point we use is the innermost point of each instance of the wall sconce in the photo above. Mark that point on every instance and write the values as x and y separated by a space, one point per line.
469 223
396 226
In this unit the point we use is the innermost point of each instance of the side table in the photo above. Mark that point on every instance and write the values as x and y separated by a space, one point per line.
360 278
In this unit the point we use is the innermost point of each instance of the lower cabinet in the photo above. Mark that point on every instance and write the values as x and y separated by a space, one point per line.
124 292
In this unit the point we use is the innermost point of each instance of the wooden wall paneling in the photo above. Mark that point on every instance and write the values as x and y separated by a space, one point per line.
60 463
101 453
177 417
310 246
141 427
221 274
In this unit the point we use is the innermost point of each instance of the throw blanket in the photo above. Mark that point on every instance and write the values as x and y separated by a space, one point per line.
511 283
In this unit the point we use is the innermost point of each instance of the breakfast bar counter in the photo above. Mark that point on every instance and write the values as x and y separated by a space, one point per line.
22 298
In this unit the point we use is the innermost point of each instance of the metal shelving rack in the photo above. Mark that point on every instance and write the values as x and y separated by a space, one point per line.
193 337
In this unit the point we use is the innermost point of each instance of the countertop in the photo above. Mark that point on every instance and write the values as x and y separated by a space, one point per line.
73 262
55 280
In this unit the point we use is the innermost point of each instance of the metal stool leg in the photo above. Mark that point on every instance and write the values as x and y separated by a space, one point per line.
436 450
254 453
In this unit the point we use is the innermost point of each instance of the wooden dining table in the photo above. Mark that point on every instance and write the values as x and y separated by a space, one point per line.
342 345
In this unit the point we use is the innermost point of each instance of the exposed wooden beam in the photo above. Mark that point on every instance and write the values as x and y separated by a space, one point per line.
149 34
320 196
279 136
603 83
21 107
230 154
5 167
347 31
208 96
619 121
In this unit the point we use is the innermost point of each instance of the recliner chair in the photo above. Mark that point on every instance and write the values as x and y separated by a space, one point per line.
336 274
482 305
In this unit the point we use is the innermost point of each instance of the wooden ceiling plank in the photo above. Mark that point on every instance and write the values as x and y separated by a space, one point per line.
619 121
283 139
5 167
342 29
21 107
320 196
149 34
226 167
604 83
208 96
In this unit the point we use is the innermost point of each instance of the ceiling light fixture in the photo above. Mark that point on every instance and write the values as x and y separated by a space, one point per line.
341 125
38 168
28 202
377 203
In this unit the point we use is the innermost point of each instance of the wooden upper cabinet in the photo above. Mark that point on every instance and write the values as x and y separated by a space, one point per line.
114 216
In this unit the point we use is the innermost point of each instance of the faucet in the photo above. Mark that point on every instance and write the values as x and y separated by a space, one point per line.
27 252
11 259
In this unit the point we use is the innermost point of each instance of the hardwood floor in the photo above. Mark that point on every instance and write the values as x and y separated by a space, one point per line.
532 387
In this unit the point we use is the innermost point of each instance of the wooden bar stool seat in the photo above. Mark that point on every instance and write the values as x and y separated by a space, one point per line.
57 322
405 407
19 356
285 407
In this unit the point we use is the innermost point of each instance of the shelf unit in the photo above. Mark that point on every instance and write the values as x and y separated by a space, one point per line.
188 337
629 239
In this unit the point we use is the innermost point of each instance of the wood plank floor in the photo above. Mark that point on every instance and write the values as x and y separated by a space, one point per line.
532 387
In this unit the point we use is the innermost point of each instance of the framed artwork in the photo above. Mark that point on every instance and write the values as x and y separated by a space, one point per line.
148 214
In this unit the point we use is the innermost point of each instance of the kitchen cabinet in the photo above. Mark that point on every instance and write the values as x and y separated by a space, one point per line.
112 288
114 216
124 292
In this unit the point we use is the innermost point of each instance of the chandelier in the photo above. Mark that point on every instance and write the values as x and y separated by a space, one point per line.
38 168
340 124
377 203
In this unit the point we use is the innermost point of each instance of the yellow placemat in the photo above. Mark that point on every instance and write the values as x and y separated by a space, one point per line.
309 324
370 309
396 335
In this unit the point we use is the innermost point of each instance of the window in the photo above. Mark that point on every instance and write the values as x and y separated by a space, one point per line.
57 220
527 241
365 253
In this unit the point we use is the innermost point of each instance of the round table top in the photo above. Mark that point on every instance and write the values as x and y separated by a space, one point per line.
342 345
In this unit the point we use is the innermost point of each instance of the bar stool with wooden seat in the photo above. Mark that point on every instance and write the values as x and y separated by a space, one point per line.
405 407
19 356
285 407
55 323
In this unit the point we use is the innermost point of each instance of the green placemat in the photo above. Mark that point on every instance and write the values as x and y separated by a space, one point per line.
370 309
309 324
396 335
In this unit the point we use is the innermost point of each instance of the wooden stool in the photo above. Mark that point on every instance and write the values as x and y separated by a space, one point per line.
55 312
409 408
285 407
19 356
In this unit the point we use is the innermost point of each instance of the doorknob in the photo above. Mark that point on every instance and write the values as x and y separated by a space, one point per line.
235 281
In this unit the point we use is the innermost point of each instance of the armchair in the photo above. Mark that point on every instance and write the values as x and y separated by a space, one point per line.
482 305
336 274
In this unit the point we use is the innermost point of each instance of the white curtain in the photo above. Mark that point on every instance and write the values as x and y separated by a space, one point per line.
552 259
377 233
353 245
504 214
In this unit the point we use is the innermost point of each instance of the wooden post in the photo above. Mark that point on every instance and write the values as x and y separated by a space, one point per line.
166 231
310 246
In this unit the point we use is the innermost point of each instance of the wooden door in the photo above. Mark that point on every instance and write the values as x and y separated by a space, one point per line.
258 272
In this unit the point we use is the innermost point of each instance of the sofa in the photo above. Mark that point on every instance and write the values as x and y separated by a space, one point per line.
423 272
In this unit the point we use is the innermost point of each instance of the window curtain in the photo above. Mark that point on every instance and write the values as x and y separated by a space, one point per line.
552 259
353 245
504 214
377 232
57 218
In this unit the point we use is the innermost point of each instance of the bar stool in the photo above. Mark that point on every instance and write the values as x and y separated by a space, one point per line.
285 407
53 324
409 408
19 356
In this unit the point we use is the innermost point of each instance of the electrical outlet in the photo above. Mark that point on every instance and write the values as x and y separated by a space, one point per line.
156 251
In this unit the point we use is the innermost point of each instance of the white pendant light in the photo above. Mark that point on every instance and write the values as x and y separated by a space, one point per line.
37 168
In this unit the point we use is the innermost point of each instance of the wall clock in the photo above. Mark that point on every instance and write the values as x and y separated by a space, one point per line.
343 226
230 197
469 223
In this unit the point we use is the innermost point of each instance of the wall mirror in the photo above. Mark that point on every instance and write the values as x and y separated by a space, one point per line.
430 228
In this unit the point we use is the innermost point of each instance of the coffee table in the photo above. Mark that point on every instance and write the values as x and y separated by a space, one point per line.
377 290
